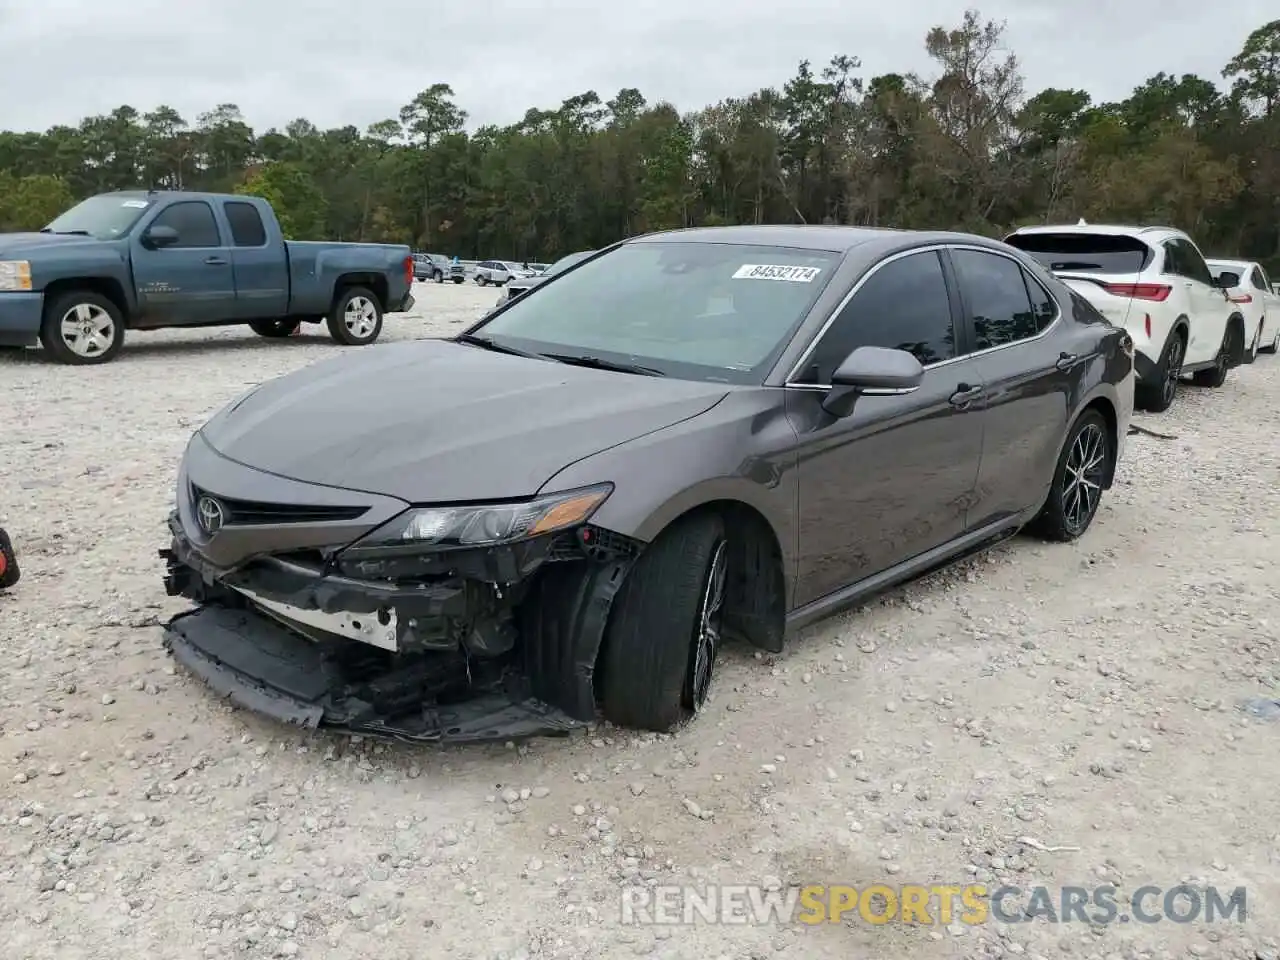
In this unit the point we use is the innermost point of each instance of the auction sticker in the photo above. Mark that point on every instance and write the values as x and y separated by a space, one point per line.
135 204
765 271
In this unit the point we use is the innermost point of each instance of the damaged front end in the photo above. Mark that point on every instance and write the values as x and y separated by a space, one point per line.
443 624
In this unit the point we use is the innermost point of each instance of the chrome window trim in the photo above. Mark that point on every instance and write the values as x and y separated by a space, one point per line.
932 248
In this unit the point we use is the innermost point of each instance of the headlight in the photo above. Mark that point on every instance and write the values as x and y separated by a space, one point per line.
15 275
487 524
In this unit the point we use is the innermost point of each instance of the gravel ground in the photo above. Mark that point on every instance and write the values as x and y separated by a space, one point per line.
1082 698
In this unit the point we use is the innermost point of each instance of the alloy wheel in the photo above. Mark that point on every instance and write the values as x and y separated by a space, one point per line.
1085 471
87 330
707 629
360 317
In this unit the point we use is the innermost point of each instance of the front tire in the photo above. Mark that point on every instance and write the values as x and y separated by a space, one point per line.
459 279
665 629
1216 375
1274 345
1078 479
82 328
356 317
274 329
1251 354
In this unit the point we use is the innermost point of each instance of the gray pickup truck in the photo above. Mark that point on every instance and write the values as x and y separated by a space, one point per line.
143 260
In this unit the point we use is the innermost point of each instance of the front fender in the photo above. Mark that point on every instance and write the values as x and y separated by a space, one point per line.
741 450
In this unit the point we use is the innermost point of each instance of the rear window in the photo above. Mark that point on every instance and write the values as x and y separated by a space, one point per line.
1084 252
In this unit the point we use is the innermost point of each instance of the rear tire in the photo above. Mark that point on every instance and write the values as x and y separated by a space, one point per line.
481 280
665 628
1076 492
356 317
438 277
82 328
1157 397
274 328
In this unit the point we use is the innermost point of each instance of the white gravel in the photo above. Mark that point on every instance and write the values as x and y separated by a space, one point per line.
1085 696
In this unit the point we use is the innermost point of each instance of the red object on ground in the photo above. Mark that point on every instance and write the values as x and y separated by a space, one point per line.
9 572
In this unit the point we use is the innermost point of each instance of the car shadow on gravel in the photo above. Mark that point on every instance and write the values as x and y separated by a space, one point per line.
168 348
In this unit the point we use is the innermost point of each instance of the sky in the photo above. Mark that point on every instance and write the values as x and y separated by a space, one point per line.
358 61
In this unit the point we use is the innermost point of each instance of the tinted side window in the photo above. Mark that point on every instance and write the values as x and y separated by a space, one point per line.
193 220
1259 279
1197 269
996 296
902 305
1042 305
1174 262
246 224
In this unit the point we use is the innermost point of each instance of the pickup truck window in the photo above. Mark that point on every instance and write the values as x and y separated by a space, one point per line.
193 220
104 217
246 224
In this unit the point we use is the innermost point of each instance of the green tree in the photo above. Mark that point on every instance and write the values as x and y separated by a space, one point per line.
299 204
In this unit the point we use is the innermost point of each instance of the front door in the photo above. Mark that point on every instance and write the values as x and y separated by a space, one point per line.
188 282
894 478
1209 304
1029 381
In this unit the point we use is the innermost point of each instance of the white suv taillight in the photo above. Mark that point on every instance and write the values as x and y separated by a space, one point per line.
1156 292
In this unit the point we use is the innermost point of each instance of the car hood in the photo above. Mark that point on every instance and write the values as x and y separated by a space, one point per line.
16 244
525 283
437 422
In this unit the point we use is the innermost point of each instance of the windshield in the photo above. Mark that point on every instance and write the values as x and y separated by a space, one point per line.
1084 252
105 217
700 311
564 263
512 265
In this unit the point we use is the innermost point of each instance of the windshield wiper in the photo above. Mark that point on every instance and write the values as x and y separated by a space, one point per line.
66 233
486 344
596 363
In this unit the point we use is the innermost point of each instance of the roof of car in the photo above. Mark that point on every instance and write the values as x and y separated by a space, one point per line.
828 238
1114 229
1215 262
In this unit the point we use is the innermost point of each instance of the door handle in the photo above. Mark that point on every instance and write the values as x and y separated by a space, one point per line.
965 394
215 261
1066 360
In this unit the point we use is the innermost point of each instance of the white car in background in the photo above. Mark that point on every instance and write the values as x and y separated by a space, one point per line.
499 272
1248 286
1153 282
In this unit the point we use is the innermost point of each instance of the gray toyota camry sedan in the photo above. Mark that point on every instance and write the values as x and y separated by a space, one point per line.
687 438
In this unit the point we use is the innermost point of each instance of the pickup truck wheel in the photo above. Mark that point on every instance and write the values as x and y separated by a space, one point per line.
81 327
664 631
356 318
274 328
459 279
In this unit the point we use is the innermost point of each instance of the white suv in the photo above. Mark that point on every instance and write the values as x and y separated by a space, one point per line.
1154 282
1246 283
500 272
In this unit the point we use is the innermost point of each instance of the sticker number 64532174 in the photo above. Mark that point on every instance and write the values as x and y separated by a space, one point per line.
765 271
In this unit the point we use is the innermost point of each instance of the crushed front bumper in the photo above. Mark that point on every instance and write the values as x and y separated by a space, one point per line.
258 639
261 666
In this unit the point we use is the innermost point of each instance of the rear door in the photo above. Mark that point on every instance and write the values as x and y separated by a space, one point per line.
260 266
190 281
1031 365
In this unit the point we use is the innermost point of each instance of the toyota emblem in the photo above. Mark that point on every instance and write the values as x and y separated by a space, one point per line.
210 514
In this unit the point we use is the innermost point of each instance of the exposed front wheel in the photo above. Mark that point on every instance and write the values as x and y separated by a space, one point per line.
458 279
274 328
81 327
1274 345
665 629
1077 481
1251 354
356 317
1158 394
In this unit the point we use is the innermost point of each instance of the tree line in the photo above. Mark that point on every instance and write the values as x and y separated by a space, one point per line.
964 148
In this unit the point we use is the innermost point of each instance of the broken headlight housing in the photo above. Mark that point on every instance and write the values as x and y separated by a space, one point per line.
483 524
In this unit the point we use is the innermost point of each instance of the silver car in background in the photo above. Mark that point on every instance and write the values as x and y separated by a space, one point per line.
523 285
499 272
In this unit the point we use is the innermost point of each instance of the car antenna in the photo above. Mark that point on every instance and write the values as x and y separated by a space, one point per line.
1082 223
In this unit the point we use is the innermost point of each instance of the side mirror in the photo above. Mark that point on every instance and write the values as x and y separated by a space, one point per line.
160 236
872 372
